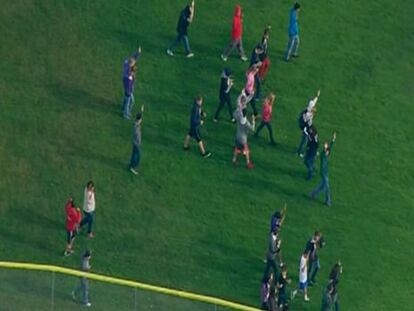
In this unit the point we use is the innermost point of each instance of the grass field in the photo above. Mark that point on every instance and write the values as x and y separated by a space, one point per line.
195 224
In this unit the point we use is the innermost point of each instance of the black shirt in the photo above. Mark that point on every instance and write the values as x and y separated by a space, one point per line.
282 285
183 22
224 85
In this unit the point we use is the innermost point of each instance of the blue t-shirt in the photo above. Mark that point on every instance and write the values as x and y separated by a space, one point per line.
293 23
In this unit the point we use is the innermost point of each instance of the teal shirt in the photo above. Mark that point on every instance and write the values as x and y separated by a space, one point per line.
325 161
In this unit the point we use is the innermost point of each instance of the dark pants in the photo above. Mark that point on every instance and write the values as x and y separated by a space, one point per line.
269 128
253 104
309 162
257 83
271 265
314 267
84 289
224 100
302 143
184 38
135 157
88 218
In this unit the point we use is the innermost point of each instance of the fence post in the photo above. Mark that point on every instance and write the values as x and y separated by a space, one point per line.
52 306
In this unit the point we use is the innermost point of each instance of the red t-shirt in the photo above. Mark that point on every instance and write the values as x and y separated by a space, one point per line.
73 216
267 112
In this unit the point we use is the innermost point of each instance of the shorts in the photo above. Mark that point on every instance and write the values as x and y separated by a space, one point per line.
70 235
195 133
241 148
303 285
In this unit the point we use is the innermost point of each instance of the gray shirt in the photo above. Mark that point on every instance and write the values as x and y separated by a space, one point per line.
85 265
243 128
136 137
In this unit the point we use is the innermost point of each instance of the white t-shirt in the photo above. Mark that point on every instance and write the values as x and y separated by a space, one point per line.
303 269
312 103
89 201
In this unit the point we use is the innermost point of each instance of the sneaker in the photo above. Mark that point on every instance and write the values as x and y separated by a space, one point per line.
250 165
169 52
73 295
67 253
295 56
243 58
215 120
224 58
91 235
306 298
301 155
293 294
233 120
133 171
88 304
206 154
189 55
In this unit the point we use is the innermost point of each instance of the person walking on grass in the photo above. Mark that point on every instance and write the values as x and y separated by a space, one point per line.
128 80
136 143
196 121
263 57
273 257
267 117
324 171
327 298
305 122
242 132
278 218
265 291
303 277
73 219
336 271
282 283
184 21
312 247
84 284
293 44
226 83
311 151
89 208
236 36
249 89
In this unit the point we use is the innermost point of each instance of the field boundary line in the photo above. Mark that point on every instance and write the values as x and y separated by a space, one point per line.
128 283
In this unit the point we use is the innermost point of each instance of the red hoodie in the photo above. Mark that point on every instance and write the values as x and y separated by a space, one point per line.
237 30
73 216
267 112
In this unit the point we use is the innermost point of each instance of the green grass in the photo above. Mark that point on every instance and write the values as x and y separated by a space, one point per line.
195 224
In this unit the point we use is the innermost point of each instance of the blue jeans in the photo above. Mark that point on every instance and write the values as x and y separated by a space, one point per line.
184 39
309 162
292 47
258 83
84 288
323 186
88 218
127 104
135 157
314 267
302 143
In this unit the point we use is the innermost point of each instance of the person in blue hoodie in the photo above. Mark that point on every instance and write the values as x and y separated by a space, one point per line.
128 80
184 21
196 121
293 45
324 184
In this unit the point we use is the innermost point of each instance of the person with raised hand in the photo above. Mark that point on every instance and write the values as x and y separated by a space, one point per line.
128 80
184 21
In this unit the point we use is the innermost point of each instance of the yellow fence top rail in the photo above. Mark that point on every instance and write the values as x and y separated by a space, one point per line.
123 282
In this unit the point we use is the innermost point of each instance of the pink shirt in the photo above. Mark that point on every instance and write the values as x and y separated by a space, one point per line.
267 112
250 83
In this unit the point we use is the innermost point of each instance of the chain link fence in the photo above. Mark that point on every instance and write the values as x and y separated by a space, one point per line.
49 290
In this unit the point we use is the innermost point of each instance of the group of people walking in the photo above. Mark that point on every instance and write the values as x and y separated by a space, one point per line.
275 282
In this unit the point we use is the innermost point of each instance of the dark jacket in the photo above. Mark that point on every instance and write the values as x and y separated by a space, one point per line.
183 22
195 118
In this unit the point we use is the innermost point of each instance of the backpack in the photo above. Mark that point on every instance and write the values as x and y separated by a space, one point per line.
301 122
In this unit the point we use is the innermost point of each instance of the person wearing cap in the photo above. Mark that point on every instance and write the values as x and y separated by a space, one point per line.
236 36
73 219
136 143
293 44
324 171
184 21
128 80
196 121
242 132
226 83
89 207
84 284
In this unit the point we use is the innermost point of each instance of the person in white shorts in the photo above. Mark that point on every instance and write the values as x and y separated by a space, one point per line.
303 277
